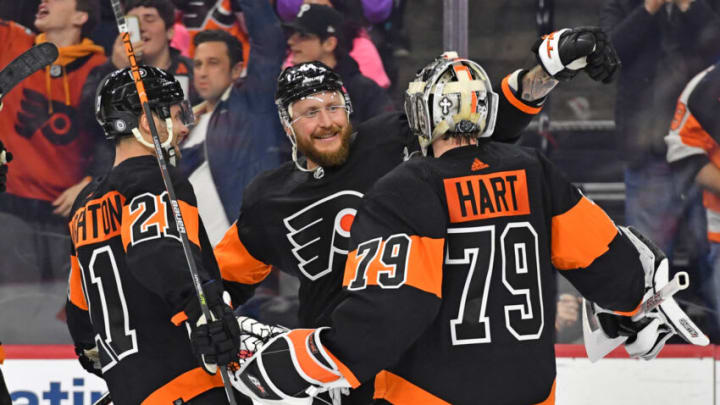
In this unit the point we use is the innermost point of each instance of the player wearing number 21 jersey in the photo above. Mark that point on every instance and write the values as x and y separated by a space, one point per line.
129 280
451 274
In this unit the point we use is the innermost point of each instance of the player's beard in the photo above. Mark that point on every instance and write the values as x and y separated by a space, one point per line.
328 159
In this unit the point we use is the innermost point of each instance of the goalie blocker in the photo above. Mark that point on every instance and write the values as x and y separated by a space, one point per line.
645 330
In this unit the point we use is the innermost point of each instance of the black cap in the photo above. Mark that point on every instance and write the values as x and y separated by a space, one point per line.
317 19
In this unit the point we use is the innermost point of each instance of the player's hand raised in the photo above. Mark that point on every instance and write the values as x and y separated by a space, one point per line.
564 53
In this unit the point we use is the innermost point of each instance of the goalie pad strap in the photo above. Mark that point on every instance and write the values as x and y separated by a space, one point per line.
549 52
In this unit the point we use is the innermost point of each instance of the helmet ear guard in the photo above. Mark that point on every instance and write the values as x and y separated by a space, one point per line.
450 95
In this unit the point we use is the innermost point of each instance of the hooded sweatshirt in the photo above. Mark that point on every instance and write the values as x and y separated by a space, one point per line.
50 152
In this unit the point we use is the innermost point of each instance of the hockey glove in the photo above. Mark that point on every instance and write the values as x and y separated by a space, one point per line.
254 335
5 157
658 318
89 359
562 54
291 368
216 342
603 63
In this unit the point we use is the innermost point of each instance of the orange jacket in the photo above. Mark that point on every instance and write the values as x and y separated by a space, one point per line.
50 152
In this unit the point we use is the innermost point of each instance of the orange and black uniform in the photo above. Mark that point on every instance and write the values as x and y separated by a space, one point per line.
129 282
295 222
51 152
451 277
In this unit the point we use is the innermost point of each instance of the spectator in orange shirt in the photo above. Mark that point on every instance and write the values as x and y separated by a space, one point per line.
40 123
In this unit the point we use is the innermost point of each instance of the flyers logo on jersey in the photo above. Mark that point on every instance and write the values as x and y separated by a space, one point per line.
320 233
472 198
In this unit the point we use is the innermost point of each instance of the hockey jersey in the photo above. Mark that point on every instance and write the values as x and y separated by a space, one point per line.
39 121
301 224
693 139
129 279
451 277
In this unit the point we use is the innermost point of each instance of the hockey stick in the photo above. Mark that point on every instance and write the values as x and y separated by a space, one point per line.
123 29
105 399
23 66
26 64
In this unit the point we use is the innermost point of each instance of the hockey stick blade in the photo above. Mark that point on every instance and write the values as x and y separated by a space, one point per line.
598 344
26 64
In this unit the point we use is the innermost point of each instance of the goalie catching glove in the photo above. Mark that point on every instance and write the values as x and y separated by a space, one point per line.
216 342
291 368
658 318
562 54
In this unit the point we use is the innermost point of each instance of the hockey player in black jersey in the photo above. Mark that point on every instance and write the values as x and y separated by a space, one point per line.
297 217
131 301
451 273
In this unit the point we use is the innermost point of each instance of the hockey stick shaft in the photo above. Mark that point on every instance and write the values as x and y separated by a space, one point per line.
681 281
122 28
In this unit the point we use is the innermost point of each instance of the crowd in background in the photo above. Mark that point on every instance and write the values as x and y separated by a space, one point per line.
227 57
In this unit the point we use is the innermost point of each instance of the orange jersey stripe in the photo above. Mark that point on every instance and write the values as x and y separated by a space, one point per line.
693 134
714 237
397 390
484 196
344 370
236 263
516 102
550 400
423 270
75 288
711 200
2 354
179 318
581 235
186 386
308 365
98 220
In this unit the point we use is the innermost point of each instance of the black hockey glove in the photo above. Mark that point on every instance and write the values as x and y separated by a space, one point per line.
216 342
5 157
89 359
603 63
564 53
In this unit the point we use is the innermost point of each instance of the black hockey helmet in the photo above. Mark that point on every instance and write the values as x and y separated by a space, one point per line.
117 105
305 79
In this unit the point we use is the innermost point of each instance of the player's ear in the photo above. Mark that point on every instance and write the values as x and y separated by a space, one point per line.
143 124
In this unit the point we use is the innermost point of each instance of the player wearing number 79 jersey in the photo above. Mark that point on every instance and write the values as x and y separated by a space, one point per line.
452 269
